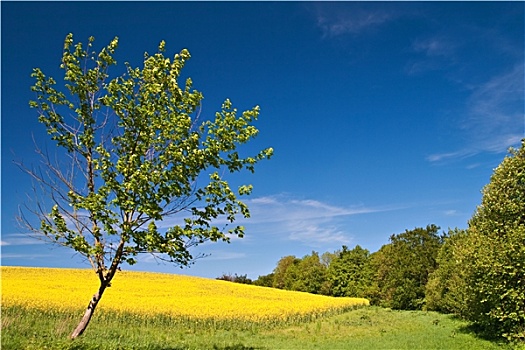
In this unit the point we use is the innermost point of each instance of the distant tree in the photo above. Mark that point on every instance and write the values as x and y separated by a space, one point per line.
378 294
350 274
494 252
327 258
280 273
409 260
307 275
243 279
446 286
133 150
265 280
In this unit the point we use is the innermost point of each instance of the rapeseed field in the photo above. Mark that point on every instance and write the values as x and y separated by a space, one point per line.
174 296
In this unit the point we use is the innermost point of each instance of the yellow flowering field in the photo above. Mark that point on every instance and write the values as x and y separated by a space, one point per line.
177 296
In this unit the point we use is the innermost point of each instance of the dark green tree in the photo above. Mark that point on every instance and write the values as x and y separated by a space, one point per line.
350 274
307 275
378 293
133 151
281 276
235 278
406 265
264 280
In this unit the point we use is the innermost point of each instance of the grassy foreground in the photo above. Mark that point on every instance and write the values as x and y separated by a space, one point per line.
365 328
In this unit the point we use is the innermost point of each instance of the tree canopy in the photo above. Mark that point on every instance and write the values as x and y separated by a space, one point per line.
495 252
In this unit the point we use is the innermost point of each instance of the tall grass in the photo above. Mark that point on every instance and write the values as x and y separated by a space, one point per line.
364 328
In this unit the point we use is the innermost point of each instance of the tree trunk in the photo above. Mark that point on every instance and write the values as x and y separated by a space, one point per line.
84 322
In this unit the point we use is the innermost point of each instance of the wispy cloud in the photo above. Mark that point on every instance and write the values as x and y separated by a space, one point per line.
17 239
25 256
280 208
431 53
434 46
498 104
495 116
336 19
224 255
308 221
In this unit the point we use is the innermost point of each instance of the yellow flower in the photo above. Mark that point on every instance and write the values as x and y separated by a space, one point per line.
177 296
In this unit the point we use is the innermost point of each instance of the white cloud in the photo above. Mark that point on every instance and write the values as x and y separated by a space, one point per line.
434 46
432 53
25 256
317 234
351 18
495 117
308 221
498 104
16 239
223 255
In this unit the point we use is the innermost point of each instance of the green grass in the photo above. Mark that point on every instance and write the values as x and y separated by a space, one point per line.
366 328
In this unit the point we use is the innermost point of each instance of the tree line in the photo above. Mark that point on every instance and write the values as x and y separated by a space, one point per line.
477 273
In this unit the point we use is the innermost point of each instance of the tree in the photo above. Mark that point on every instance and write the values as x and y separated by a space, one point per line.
264 280
242 279
408 261
494 252
280 273
134 152
445 289
307 275
350 274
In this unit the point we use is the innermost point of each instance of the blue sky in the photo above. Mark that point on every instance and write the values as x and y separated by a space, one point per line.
383 116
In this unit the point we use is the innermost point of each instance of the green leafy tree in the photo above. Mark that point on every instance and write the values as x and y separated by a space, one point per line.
264 280
350 274
378 294
445 289
307 275
242 279
281 276
134 152
405 266
494 252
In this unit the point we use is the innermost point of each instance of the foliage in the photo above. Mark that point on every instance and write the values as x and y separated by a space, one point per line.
350 274
445 290
495 252
264 280
235 278
307 275
136 150
281 277
379 264
405 265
